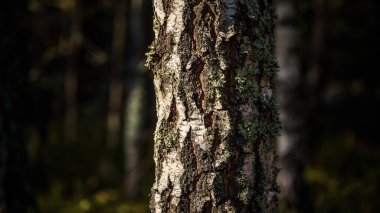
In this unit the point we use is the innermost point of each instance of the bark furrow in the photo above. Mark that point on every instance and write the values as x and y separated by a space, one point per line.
214 67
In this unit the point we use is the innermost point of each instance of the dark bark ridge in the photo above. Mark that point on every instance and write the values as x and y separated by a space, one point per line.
214 68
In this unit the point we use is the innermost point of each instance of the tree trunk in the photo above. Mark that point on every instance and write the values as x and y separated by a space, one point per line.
115 102
140 102
71 77
133 127
214 70
292 142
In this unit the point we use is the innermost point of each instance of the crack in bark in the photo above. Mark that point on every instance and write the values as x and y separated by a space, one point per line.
211 22
193 17
210 114
173 114
201 86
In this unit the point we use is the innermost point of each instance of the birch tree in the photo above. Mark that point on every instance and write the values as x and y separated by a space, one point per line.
214 68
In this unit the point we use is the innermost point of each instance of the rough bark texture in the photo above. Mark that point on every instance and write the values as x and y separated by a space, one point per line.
214 67
292 142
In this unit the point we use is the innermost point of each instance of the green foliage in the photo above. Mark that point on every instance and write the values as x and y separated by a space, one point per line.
102 201
344 177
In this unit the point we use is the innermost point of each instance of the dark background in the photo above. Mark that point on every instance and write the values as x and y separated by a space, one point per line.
65 63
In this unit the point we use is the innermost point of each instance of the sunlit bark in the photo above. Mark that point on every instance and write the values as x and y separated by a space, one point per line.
214 69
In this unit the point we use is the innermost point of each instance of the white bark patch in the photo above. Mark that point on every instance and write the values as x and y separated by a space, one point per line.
210 183
165 94
159 9
172 170
223 64
165 100
198 129
222 155
195 122
174 63
170 27
182 124
175 23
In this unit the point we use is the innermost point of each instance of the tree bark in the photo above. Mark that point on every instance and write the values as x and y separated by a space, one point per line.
214 70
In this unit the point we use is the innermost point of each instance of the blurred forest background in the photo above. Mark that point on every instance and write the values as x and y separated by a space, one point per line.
77 105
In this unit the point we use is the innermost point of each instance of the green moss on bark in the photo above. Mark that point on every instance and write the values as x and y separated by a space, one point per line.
221 83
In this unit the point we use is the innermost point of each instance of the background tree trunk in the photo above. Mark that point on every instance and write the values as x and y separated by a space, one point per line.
115 101
139 113
71 76
292 142
214 69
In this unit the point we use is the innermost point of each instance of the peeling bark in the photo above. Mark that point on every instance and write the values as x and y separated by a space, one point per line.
214 70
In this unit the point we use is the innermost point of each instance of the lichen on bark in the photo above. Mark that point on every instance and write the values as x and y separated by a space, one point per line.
214 68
